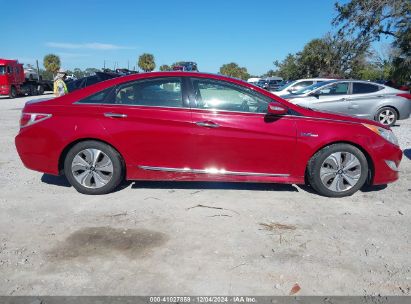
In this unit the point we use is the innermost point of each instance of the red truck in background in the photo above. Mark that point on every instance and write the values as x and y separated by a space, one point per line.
15 82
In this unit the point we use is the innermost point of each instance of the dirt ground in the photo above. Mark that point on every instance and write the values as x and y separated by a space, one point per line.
174 238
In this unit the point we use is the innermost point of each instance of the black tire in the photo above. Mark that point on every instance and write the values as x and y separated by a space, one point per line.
391 112
13 92
116 159
316 162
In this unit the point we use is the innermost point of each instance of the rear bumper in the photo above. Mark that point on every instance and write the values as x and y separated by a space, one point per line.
382 156
36 152
405 110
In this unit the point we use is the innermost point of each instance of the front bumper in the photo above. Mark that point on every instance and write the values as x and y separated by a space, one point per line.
4 90
386 159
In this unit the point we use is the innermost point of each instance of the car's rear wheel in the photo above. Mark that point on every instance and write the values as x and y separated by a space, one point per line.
338 170
93 167
387 116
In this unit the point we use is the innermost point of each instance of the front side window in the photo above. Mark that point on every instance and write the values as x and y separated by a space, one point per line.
364 88
163 92
334 89
218 95
9 70
2 70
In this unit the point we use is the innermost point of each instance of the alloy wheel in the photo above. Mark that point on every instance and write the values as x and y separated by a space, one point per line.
92 168
386 117
340 171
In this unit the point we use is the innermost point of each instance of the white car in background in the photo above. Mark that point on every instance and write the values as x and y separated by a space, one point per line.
296 85
253 80
71 77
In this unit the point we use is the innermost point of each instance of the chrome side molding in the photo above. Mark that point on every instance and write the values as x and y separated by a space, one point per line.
211 171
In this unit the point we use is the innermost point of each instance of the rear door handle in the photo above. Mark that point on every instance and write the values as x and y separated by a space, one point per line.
115 115
207 124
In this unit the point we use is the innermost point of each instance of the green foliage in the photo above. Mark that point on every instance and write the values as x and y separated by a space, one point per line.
78 73
366 21
146 62
90 71
233 70
288 68
52 63
165 67
329 56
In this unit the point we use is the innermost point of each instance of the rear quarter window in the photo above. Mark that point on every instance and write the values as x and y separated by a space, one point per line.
97 98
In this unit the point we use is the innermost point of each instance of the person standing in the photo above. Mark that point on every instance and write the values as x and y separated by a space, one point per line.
60 87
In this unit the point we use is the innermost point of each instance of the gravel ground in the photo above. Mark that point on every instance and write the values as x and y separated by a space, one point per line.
154 238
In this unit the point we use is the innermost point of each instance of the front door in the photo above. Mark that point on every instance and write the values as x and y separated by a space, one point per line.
233 134
334 98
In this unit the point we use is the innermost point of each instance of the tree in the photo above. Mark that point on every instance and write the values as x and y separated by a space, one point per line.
165 67
52 63
288 68
78 73
368 20
146 62
90 71
233 70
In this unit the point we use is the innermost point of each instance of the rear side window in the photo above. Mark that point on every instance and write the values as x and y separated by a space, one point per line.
363 88
98 98
159 92
340 88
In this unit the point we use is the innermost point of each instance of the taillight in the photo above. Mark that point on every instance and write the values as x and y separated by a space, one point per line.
405 95
27 119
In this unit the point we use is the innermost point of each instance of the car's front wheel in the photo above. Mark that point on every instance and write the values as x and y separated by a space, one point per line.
93 167
338 170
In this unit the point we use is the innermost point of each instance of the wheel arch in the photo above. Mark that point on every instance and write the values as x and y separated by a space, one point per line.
387 106
370 162
73 143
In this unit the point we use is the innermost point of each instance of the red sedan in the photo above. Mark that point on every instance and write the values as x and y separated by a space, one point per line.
184 126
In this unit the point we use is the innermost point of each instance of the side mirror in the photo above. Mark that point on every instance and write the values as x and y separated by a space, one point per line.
276 108
315 94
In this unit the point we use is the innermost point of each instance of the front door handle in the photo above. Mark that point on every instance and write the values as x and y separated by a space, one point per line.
115 115
207 124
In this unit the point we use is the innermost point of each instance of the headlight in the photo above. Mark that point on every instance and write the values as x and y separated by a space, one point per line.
386 134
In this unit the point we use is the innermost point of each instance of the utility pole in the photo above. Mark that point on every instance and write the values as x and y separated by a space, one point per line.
38 70
104 65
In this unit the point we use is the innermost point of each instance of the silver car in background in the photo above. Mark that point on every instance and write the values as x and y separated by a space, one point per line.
357 98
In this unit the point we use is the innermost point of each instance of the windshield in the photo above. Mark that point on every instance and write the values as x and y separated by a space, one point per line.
2 70
311 88
287 85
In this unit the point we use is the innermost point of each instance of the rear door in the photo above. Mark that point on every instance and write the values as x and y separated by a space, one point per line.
365 99
150 121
